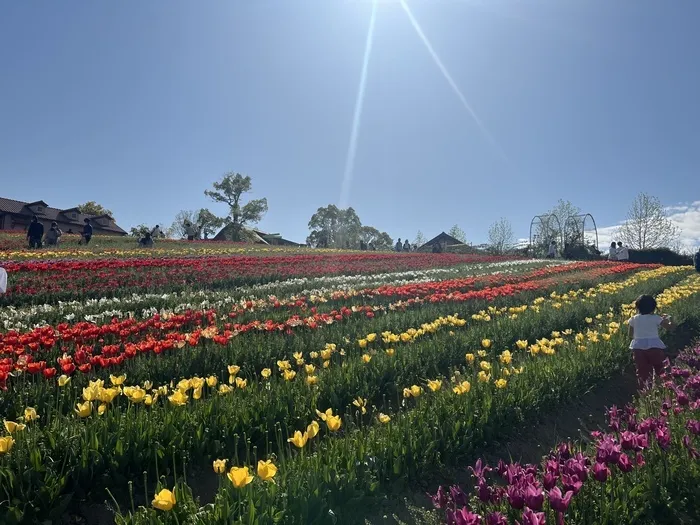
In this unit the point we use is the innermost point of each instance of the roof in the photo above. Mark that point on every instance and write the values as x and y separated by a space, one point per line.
54 214
254 235
443 237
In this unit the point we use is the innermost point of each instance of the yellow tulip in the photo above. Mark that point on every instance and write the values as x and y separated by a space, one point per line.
13 427
469 357
239 476
327 363
416 391
462 388
324 415
197 393
506 357
481 353
521 344
219 465
334 423
266 470
101 409
117 380
501 383
390 352
63 380
283 365
484 377
485 366
241 383
312 429
361 404
311 380
197 382
362 343
178 398
212 381
383 418
233 369
164 500
224 389
434 385
486 343
299 439
84 409
6 444
136 394
310 369
366 358
371 338
266 373
289 375
147 385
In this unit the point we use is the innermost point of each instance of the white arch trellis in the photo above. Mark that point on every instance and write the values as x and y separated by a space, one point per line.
544 221
577 223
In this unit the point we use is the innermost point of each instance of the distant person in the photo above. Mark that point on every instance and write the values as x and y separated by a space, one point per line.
156 232
407 246
191 231
623 254
372 247
3 280
146 241
398 246
437 248
363 245
53 236
87 233
612 254
648 348
35 232
552 251
696 260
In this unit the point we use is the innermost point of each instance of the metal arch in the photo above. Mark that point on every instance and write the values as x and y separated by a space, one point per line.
583 217
544 219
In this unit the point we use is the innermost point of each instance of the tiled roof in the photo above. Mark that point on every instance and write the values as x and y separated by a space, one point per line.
54 214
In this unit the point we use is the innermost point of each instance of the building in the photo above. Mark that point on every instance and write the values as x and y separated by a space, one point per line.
256 237
16 215
443 240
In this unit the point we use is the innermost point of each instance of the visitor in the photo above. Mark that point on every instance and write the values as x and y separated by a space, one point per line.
552 251
437 248
155 232
398 246
53 236
35 232
372 247
146 241
87 233
696 260
648 348
612 254
191 231
3 280
363 245
623 254
407 246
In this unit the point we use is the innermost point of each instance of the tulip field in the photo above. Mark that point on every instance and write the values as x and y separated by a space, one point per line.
214 383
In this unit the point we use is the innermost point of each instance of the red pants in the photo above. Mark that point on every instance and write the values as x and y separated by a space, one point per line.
648 362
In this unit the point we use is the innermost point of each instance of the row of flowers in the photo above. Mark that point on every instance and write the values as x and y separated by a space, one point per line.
430 429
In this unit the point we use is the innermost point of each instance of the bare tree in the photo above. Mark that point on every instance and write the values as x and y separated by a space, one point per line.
501 235
419 240
647 225
458 233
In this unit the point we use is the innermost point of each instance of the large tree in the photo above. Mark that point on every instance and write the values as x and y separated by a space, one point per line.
458 233
333 227
501 235
92 208
381 240
204 221
647 225
208 223
555 222
229 191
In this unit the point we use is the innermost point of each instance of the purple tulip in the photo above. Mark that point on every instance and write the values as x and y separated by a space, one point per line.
601 472
663 437
564 451
571 483
462 516
440 498
680 372
688 444
496 518
479 469
640 459
516 497
624 463
534 497
458 496
693 425
560 502
576 467
628 440
498 494
549 480
552 465
608 451
682 398
483 491
532 518
501 468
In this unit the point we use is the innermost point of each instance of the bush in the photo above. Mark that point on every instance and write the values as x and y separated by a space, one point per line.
663 256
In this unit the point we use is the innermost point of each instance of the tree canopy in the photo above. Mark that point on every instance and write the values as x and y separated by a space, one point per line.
647 225
458 233
334 227
92 208
501 236
229 191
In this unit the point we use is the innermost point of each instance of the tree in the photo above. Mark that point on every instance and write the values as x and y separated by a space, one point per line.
381 240
229 191
555 222
92 208
501 235
177 230
208 223
139 231
647 225
334 227
458 233
419 240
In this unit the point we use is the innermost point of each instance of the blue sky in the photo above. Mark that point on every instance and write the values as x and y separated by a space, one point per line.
142 105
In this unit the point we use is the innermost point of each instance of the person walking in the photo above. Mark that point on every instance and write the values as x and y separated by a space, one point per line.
53 236
35 232
87 232
552 251
191 231
398 246
623 254
648 348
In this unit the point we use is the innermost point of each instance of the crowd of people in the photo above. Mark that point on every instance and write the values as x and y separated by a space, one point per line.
38 239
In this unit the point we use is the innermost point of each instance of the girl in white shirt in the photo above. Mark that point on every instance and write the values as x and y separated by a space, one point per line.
648 348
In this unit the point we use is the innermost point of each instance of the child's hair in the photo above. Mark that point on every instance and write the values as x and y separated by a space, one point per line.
645 304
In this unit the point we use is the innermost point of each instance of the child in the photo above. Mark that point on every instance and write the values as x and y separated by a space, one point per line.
648 348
